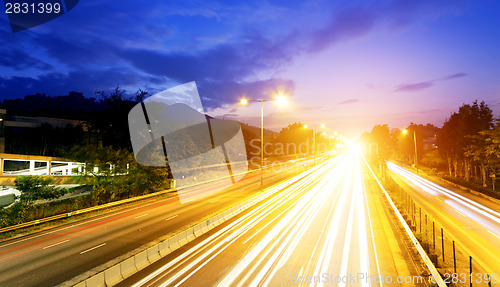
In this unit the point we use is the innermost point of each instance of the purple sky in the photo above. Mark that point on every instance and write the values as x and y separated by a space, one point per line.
347 64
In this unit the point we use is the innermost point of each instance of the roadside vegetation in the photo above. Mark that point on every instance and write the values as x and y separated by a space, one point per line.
466 150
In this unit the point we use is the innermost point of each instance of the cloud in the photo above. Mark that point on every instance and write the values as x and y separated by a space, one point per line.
349 101
454 76
19 60
414 87
101 45
424 85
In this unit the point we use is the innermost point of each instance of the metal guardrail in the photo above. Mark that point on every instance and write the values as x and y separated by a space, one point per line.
81 211
436 276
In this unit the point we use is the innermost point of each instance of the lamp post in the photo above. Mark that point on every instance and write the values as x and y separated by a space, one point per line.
405 131
314 142
246 101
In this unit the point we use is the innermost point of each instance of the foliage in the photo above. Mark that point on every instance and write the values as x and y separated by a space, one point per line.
291 137
114 173
457 135
35 187
385 141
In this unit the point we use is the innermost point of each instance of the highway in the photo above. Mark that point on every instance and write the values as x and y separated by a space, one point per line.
472 221
53 256
333 227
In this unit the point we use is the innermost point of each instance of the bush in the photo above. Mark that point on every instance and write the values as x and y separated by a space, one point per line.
35 187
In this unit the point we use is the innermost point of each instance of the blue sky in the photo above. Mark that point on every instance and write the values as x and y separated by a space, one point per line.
348 64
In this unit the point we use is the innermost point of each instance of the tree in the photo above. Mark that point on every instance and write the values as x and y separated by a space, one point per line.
384 138
35 187
456 133
118 174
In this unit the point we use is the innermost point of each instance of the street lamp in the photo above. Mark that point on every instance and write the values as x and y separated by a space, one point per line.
314 142
405 131
279 98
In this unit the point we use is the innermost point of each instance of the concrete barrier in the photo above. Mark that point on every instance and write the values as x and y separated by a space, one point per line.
153 254
127 267
96 280
182 238
190 234
164 249
214 222
173 243
197 230
226 215
141 260
220 218
207 226
210 222
113 276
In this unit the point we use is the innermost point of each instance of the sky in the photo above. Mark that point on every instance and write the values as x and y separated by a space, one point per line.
346 64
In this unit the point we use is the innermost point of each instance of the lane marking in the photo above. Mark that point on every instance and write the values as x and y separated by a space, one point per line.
95 247
494 234
172 217
52 245
137 217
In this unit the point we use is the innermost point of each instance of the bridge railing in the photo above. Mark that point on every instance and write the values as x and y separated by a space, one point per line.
16 164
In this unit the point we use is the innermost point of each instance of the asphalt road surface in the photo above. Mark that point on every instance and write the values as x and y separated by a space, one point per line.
333 227
53 256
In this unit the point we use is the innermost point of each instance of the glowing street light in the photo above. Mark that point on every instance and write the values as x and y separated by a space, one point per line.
279 98
314 141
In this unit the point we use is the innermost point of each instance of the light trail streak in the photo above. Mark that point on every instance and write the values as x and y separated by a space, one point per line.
328 203
236 229
468 203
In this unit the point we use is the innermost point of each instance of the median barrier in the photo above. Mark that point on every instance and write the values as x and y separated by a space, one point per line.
215 220
220 218
164 249
197 230
201 227
211 223
141 260
127 267
190 234
226 215
173 243
182 238
207 226
112 276
153 254
96 280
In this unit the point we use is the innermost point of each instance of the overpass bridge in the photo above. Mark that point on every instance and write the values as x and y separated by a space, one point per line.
13 165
